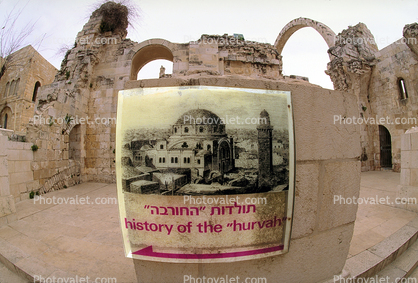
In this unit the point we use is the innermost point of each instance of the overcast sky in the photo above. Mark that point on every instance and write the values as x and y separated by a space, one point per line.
238 109
58 22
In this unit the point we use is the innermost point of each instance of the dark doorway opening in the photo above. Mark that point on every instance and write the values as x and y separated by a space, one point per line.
385 147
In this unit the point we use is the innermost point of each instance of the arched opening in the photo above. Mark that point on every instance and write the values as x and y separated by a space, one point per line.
385 147
307 60
35 91
6 118
75 144
5 121
149 53
300 45
155 69
16 88
403 94
12 88
7 90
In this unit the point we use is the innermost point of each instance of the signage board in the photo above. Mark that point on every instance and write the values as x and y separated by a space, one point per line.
205 174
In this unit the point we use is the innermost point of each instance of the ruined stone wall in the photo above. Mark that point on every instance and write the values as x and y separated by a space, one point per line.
356 64
227 55
396 61
98 66
82 102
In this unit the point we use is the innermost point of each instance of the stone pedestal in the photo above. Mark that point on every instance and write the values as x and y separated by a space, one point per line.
407 194
327 166
7 203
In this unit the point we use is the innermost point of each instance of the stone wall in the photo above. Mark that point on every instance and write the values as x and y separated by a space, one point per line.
395 61
373 75
327 164
20 157
408 189
7 201
29 67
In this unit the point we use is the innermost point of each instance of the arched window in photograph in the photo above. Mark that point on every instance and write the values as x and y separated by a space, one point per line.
35 91
186 130
402 89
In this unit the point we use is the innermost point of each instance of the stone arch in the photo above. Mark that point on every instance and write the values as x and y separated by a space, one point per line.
35 91
150 50
327 34
6 118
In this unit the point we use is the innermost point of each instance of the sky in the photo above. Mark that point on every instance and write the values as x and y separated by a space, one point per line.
58 22
162 107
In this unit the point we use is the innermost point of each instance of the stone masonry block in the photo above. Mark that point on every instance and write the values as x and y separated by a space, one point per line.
306 199
406 159
4 186
13 154
26 155
3 166
340 186
7 205
3 145
414 141
405 177
318 137
414 177
414 158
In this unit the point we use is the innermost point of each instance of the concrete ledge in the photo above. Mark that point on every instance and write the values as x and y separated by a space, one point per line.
379 258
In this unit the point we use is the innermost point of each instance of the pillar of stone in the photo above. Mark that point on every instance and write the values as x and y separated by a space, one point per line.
408 189
7 203
327 168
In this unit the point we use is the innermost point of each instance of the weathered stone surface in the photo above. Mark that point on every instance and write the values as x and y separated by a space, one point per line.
7 205
306 200
340 188
410 33
353 53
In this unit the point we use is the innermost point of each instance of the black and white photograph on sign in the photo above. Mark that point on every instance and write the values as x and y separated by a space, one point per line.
221 141
205 174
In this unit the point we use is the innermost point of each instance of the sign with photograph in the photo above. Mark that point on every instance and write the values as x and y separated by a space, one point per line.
205 174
